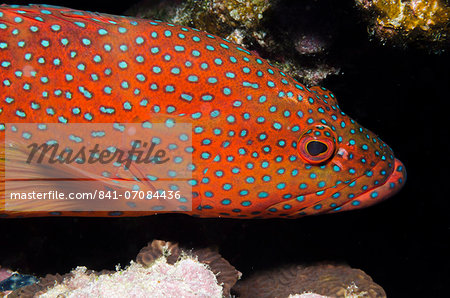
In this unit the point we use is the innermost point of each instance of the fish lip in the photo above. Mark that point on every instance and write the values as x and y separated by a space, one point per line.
396 179
394 182
398 175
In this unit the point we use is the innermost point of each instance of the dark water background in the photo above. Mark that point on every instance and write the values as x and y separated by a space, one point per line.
402 243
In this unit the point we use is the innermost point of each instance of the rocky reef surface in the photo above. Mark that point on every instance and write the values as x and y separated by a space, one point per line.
163 269
416 23
326 280
295 39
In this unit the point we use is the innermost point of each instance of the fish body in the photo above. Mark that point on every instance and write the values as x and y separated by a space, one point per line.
263 145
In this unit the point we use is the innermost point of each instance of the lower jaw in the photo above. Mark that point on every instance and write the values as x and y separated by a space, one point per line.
392 185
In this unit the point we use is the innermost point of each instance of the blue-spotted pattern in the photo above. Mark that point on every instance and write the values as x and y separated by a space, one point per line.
263 145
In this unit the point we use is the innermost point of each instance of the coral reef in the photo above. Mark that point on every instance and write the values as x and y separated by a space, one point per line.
162 269
416 22
327 280
218 17
226 274
10 281
165 269
307 295
5 273
294 40
187 277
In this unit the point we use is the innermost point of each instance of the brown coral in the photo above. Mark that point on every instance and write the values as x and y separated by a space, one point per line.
155 250
327 280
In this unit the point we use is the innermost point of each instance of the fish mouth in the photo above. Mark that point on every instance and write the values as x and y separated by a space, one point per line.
379 193
382 181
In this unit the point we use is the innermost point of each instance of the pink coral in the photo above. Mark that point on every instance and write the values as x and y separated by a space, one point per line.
185 278
5 273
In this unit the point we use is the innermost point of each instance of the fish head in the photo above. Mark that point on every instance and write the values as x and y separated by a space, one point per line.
331 162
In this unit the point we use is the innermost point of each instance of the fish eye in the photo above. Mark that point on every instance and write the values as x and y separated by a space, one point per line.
317 146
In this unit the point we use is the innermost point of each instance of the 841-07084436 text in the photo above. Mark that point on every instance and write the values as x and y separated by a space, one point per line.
97 195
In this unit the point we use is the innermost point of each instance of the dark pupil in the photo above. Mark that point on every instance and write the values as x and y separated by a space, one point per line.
315 148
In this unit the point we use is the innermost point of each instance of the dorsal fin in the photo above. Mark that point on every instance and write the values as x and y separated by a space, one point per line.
33 11
325 95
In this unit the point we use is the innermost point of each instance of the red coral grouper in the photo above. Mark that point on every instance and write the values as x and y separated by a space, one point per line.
262 144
